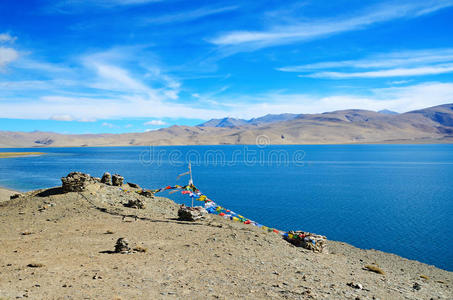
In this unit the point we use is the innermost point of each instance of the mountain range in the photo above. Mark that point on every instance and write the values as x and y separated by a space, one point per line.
429 125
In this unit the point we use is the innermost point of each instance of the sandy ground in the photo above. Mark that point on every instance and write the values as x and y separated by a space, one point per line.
5 194
69 239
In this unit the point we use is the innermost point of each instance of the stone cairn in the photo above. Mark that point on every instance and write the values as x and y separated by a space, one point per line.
136 203
191 213
307 240
76 182
106 178
117 180
122 246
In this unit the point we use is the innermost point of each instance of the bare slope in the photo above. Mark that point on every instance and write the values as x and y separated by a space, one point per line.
59 246
431 125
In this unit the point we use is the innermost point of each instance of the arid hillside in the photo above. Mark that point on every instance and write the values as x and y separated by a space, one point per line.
64 245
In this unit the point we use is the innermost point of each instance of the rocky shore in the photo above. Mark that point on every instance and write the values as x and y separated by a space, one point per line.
105 238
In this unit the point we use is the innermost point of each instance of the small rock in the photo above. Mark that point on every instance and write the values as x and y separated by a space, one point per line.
355 285
417 286
15 196
133 185
35 265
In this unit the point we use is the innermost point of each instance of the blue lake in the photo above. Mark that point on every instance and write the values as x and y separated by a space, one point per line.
394 198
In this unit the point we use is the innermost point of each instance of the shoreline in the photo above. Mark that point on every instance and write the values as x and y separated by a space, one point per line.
414 143
19 154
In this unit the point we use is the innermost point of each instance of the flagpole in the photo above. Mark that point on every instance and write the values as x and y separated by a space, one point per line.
190 180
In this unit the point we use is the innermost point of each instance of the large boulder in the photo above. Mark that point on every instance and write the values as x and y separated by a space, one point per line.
117 180
307 240
76 182
191 213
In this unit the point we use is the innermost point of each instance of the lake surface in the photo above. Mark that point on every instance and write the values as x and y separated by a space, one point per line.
394 198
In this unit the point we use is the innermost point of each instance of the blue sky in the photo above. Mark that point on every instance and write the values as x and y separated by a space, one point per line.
90 66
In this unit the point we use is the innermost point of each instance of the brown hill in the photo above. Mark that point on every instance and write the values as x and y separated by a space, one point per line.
430 125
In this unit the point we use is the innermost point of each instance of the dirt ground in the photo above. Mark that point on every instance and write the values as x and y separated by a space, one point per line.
58 245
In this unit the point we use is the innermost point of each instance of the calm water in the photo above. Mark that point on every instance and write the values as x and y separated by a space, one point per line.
395 198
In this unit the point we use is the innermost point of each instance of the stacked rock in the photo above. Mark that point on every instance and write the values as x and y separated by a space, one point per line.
76 182
106 178
117 180
191 213
122 246
307 240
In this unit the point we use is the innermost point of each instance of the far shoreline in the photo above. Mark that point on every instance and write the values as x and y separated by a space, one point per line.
19 154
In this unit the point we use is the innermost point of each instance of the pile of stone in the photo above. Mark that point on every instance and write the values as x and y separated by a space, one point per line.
136 203
307 240
115 180
191 213
76 182
122 246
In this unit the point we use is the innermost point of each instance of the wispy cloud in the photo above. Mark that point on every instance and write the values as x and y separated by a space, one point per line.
76 6
302 31
191 15
7 55
108 125
155 123
63 117
395 64
6 37
383 60
441 69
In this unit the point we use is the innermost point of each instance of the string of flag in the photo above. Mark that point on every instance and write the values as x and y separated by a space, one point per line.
213 208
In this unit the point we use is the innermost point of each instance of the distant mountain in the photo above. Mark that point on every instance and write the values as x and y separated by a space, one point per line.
225 122
442 114
430 125
387 112
232 122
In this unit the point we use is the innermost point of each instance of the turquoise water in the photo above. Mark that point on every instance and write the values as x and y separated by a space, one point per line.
394 198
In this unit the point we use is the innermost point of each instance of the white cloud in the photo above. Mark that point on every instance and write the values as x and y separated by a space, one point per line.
155 123
7 55
394 64
6 37
440 69
383 60
109 125
398 99
303 31
63 117
189 15
76 6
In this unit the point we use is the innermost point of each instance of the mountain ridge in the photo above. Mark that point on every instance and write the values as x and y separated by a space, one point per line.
429 125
